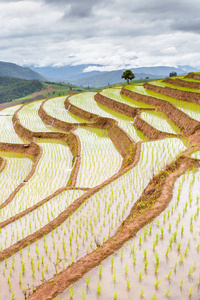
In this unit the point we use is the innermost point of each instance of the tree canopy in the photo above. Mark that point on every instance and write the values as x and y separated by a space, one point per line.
172 74
128 75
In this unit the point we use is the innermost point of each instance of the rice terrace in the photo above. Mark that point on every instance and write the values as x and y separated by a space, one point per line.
100 194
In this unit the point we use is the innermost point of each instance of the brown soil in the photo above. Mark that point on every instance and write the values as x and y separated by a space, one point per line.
80 112
152 202
123 142
151 132
3 162
174 93
183 83
32 208
128 148
69 138
193 75
35 152
34 95
119 107
186 124
47 119
66 213
195 138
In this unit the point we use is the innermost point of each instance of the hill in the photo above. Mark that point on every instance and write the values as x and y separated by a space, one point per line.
93 76
12 88
13 70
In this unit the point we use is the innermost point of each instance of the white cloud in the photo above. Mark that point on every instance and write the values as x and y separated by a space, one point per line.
115 34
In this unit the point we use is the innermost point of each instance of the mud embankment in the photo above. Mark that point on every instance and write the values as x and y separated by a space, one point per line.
3 162
35 152
152 202
193 75
71 139
37 205
174 93
186 124
47 119
183 83
66 213
123 142
151 132
81 113
118 106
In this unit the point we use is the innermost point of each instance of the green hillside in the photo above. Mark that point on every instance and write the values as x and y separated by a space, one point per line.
13 88
13 70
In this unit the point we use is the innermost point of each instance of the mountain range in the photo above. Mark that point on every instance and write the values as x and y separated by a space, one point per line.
78 75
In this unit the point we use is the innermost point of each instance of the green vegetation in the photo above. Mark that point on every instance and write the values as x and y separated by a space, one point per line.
128 75
16 71
12 88
21 89
50 225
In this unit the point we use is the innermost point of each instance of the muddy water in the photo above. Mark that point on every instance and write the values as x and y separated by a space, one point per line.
17 168
9 111
154 264
192 109
97 219
159 120
38 218
55 107
164 84
126 123
115 95
30 119
99 157
86 101
56 162
7 132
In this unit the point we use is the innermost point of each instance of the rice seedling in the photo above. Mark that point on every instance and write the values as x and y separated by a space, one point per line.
98 288
115 295
101 214
88 278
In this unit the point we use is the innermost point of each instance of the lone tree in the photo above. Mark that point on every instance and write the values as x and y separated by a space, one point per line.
172 74
128 75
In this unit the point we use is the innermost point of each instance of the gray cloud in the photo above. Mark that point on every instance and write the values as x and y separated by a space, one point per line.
76 8
113 33
192 25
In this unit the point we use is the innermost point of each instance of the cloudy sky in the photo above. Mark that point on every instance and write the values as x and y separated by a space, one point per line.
114 33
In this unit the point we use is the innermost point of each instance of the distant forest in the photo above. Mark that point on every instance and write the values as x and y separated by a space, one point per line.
13 88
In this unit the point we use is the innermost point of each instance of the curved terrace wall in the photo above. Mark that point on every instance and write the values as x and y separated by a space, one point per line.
193 75
186 124
3 162
31 149
183 83
47 119
174 93
80 112
119 107
123 142
66 213
151 132
152 202
69 138
37 205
